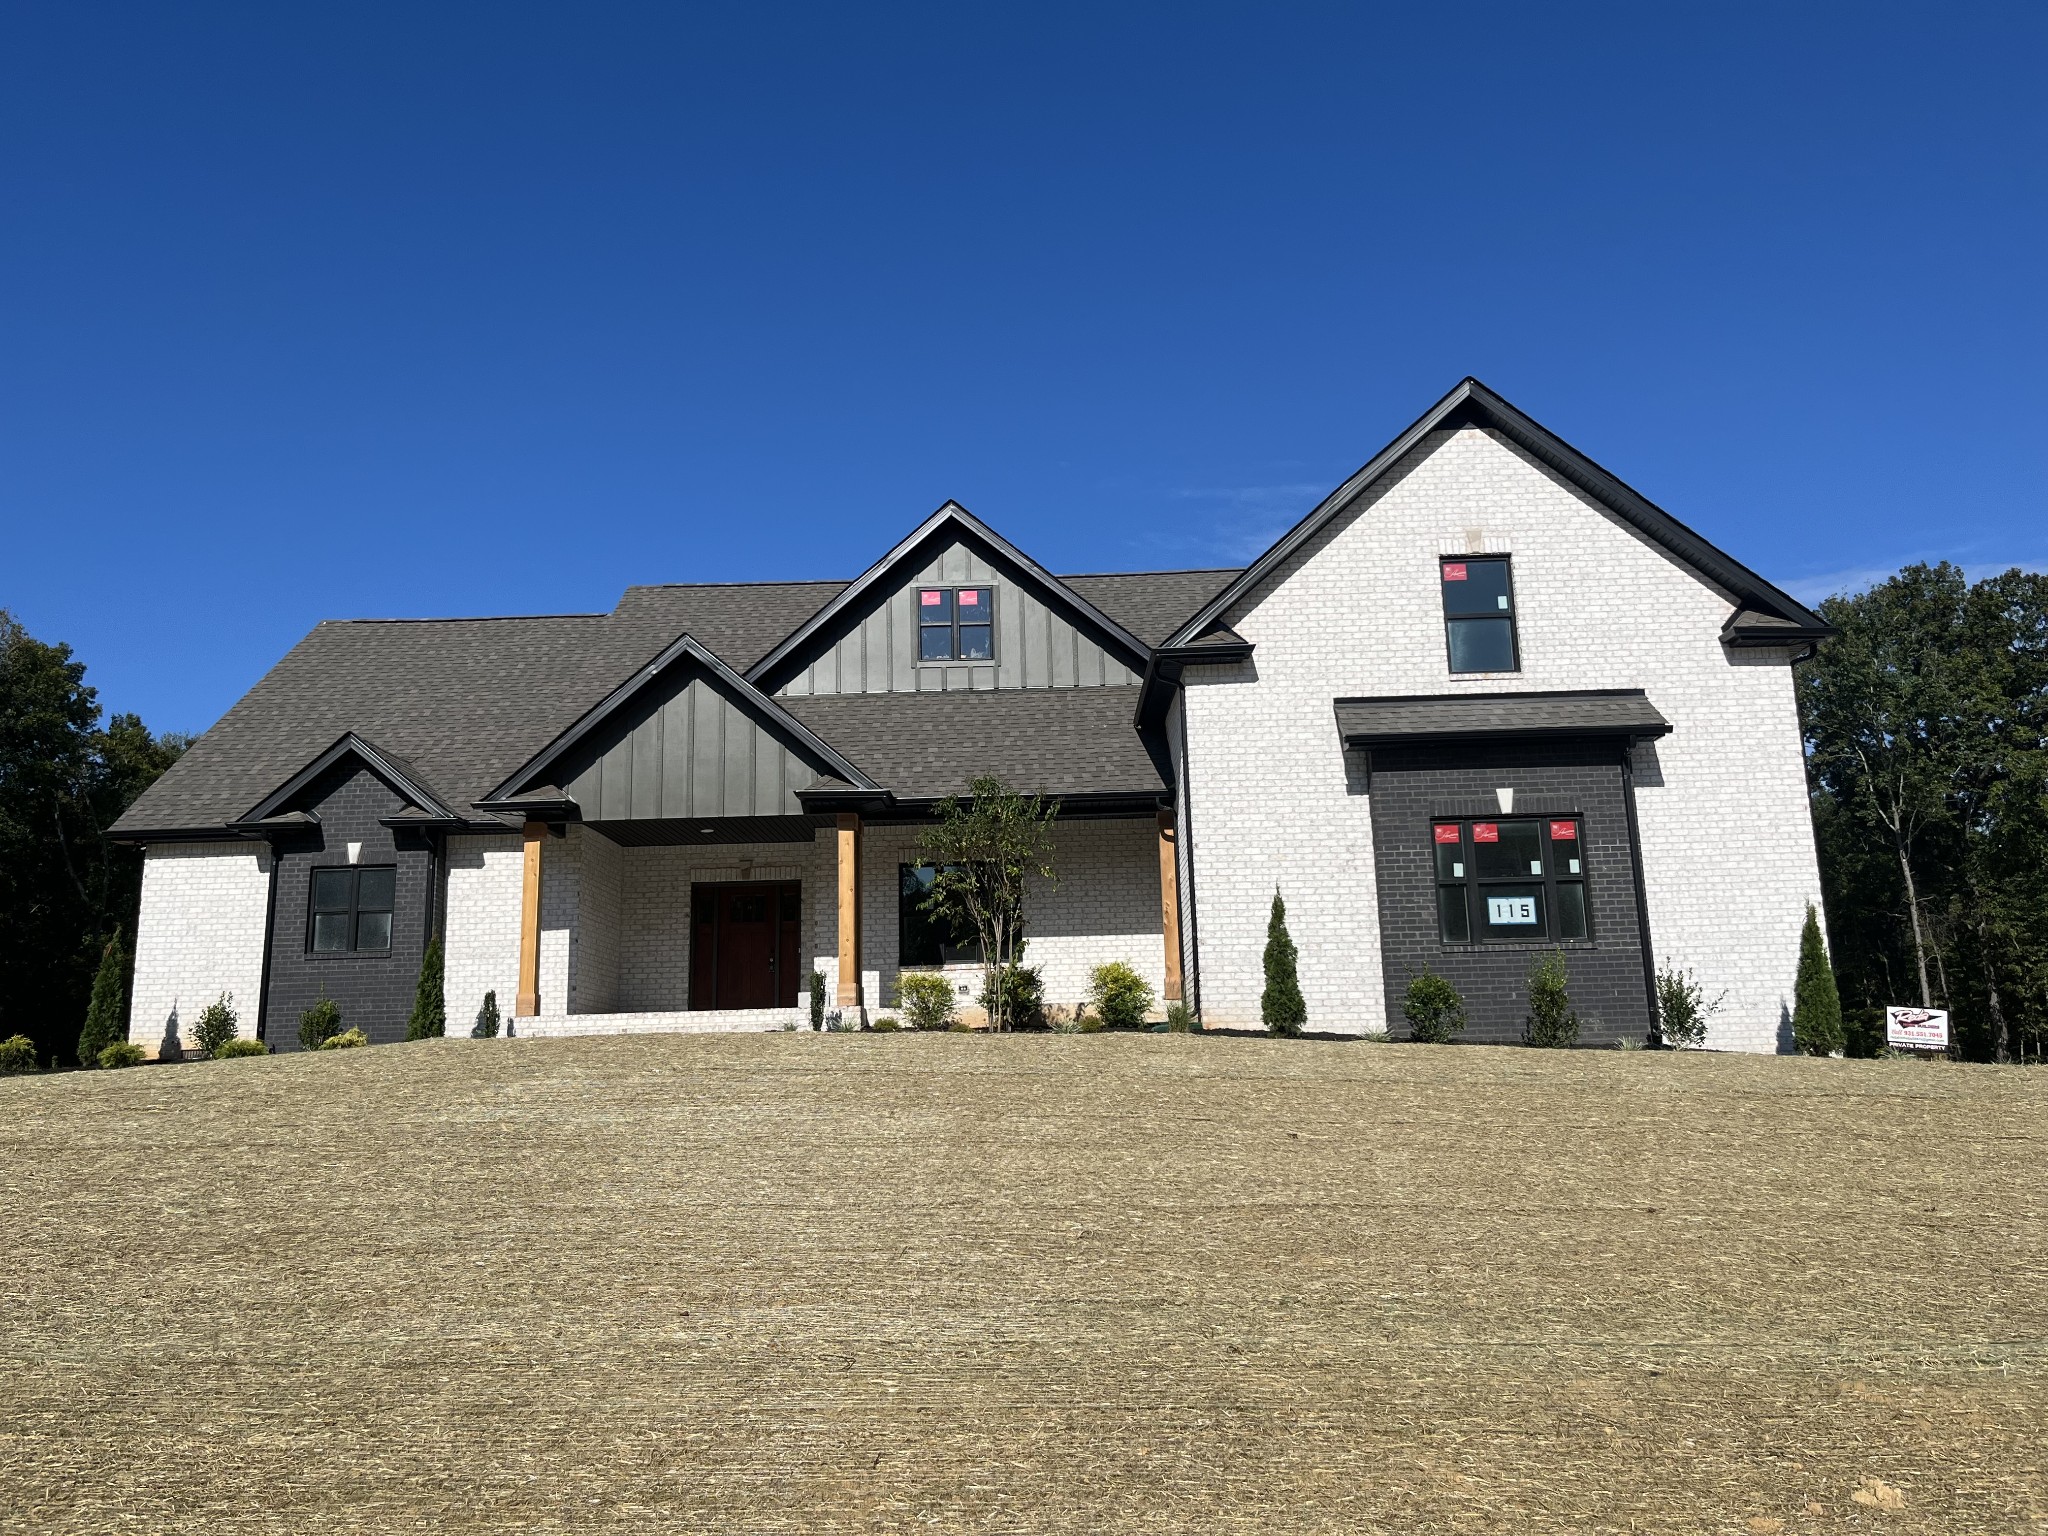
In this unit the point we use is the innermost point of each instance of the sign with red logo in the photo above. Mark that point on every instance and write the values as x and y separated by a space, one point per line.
1564 831
930 599
1485 832
969 599
1454 572
1917 1029
1447 834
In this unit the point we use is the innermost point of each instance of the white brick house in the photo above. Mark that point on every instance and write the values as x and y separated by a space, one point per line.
1483 703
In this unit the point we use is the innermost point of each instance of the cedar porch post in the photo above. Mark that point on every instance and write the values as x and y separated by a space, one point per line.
849 909
1169 905
528 1005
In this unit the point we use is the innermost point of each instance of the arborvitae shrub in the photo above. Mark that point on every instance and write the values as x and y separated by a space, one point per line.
122 1053
347 1040
216 1025
319 1024
1816 1005
1551 1020
106 1015
429 1019
1683 1009
1281 1006
486 1025
241 1047
1435 1012
17 1056
927 1000
1121 996
817 1000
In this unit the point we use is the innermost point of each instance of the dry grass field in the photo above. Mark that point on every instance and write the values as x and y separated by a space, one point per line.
1095 1283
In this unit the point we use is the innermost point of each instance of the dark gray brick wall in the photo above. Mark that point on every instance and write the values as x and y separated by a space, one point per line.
1411 786
375 991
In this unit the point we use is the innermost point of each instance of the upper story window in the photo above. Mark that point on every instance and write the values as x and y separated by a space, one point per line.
1498 882
956 624
351 909
1479 614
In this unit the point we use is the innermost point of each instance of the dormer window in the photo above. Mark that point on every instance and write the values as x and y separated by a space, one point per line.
1479 614
956 624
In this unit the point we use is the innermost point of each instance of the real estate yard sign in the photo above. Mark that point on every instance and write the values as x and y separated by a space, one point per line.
1916 1029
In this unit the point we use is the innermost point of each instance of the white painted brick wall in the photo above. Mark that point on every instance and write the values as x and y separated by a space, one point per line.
1727 841
481 949
199 934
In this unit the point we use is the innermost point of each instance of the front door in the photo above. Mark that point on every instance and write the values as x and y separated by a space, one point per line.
743 945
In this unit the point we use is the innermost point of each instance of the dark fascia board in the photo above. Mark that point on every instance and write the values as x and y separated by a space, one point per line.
844 797
954 518
1472 402
379 762
1163 672
1638 731
682 648
220 834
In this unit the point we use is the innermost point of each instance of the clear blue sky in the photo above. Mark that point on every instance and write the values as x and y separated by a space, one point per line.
360 310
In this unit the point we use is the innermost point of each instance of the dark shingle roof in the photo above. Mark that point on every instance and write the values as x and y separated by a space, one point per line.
467 701
1070 741
1480 716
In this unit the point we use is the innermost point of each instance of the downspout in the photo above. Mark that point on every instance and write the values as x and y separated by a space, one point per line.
269 941
1635 849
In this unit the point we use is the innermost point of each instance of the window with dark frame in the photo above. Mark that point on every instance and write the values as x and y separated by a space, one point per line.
1511 880
1479 614
956 624
350 910
921 937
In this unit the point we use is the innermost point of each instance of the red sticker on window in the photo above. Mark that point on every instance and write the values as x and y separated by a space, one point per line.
1454 572
1485 832
1447 834
930 599
969 599
1564 831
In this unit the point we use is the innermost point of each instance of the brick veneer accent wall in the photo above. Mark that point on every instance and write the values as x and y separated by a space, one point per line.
1411 787
199 934
1727 838
375 991
481 953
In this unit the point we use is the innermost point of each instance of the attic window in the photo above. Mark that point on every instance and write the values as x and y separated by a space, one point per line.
956 624
1479 614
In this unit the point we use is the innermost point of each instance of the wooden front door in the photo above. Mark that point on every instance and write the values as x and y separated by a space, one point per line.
743 945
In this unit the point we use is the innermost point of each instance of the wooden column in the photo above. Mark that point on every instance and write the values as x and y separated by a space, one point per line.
1169 905
528 1005
849 910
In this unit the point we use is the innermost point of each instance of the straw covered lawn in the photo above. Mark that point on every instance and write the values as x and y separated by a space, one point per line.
1094 1283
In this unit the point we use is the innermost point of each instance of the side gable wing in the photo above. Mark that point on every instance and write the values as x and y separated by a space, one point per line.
397 774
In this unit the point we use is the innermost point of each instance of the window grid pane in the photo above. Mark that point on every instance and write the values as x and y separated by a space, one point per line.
1510 880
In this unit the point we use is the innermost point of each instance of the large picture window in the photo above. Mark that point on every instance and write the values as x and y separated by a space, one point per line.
956 624
1510 881
1479 614
922 938
351 910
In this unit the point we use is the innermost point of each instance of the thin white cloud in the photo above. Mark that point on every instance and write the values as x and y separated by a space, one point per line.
1811 589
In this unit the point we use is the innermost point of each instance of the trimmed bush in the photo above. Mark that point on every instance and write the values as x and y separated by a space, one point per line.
1121 996
347 1040
885 1024
1435 1012
230 1049
429 1017
122 1053
1816 1005
106 1014
1281 1007
1551 1021
486 1025
1683 1009
216 1026
17 1056
1180 1020
817 1000
1023 993
927 1000
319 1024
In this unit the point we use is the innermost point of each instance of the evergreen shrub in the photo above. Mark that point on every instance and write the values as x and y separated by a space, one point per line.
106 1013
1180 1020
122 1053
216 1026
240 1047
1121 996
1435 1012
429 1017
1551 1021
1683 1009
1281 1007
319 1024
1816 1005
885 1024
817 1000
927 1000
347 1040
17 1056
1023 996
486 1025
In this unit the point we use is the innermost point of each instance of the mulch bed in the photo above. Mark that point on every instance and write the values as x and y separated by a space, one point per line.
1052 1283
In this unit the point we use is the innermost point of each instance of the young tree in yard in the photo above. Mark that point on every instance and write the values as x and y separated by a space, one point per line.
1281 1007
486 1025
985 848
1816 1006
106 1017
429 1019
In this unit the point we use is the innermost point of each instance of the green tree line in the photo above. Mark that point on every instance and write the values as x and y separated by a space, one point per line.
1926 724
64 889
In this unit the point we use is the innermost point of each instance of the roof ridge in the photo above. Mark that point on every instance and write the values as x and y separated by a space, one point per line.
471 618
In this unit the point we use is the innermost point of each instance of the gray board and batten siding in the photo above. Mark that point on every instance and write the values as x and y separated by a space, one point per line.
1035 646
682 749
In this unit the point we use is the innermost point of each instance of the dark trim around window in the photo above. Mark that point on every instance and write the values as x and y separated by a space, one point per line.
1511 880
1481 634
922 939
349 909
956 624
